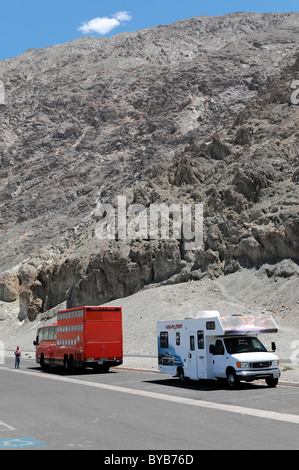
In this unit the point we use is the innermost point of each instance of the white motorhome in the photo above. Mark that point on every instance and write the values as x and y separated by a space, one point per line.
211 346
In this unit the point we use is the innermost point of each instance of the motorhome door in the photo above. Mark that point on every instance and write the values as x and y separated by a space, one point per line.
192 357
219 359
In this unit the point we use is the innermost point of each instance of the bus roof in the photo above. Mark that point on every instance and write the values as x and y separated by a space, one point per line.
89 307
46 326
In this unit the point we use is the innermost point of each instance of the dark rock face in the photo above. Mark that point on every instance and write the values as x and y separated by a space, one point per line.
195 112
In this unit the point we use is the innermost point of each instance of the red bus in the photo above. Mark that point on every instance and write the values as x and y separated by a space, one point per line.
82 337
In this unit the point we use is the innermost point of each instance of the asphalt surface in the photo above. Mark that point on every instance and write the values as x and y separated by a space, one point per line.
132 410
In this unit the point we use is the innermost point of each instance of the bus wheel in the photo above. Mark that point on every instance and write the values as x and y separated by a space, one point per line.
71 363
66 364
42 362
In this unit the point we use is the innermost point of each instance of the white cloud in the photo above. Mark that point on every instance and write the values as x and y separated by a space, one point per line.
122 16
104 25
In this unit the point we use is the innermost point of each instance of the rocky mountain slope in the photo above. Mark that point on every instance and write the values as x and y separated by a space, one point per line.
195 112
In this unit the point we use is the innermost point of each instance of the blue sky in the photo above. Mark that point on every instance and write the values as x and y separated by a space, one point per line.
34 24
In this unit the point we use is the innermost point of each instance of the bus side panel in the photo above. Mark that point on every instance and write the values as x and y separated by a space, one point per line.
103 334
74 352
46 349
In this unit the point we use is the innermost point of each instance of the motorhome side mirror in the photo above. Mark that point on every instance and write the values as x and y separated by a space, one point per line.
273 345
212 348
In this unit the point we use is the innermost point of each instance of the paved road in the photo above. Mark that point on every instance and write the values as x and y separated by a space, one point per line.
130 410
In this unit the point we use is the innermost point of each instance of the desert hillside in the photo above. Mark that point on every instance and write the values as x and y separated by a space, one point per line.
197 112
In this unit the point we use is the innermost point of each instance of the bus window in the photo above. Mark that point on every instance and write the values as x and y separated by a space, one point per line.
52 333
40 335
46 334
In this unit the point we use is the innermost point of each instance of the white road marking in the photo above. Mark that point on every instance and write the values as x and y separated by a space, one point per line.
289 418
5 427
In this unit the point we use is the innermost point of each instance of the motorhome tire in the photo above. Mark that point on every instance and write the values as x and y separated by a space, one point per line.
232 380
181 374
271 382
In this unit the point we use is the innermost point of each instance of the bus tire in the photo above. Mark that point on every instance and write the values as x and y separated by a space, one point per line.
66 364
71 363
42 362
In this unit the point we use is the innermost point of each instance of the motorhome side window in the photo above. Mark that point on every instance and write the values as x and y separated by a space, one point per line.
178 338
210 325
164 339
200 340
219 348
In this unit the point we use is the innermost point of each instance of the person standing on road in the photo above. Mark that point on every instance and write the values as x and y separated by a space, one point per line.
17 357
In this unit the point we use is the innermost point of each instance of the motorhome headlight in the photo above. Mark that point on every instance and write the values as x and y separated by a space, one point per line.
243 365
275 363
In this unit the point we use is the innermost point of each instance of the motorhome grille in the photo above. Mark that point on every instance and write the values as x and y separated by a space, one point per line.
260 365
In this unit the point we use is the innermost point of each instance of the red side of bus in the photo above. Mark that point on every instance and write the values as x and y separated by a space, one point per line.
103 335
82 336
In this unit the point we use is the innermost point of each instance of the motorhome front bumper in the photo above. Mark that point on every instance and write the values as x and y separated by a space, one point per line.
249 375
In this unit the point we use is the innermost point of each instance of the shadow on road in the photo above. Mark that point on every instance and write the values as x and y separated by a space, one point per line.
205 385
69 373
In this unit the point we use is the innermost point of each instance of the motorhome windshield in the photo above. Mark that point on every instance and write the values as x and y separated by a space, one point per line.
242 344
